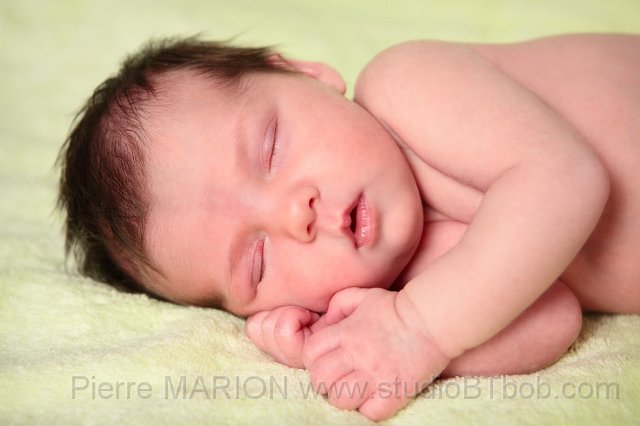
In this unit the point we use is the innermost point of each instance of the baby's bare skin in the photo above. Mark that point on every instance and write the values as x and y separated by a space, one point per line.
525 161
604 274
593 82
581 92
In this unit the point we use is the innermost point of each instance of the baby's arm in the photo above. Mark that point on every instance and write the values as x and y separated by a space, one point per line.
534 340
537 338
544 189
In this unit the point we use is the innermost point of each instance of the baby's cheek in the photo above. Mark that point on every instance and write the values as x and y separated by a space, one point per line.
310 299
310 280
360 275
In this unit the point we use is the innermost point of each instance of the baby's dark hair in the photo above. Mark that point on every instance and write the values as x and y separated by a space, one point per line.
103 190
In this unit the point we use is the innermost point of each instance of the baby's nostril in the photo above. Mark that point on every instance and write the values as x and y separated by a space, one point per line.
311 202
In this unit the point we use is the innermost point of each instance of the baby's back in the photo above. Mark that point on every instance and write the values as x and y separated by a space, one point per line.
592 80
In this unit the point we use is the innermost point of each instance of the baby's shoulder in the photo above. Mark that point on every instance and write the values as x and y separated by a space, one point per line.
379 78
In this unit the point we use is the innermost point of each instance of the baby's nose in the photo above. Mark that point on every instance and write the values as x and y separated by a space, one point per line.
299 214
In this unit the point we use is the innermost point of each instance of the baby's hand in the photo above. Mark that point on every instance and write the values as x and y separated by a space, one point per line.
282 332
368 355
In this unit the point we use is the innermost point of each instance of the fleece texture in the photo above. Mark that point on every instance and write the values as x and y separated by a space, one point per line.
74 351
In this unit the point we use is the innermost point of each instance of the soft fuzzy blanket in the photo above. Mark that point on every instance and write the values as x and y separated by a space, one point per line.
78 352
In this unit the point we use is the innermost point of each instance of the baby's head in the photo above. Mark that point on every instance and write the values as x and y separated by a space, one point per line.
223 176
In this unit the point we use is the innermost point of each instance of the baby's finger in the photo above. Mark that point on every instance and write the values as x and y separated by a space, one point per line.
328 369
313 318
351 391
318 324
319 343
385 402
253 328
290 333
269 336
344 302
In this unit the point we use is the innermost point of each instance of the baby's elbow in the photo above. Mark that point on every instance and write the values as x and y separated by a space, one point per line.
596 184
582 182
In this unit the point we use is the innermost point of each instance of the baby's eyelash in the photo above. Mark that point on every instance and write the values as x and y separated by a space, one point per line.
270 146
275 145
258 263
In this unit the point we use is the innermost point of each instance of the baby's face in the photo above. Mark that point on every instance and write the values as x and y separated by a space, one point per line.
282 194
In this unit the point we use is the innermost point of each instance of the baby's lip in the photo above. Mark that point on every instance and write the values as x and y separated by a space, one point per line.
359 221
346 220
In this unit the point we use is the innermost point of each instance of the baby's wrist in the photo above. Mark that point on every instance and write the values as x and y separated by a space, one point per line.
410 315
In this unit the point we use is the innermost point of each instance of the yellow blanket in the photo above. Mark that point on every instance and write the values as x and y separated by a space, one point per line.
76 351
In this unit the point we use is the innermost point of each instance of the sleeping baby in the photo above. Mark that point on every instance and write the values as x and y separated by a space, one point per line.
454 218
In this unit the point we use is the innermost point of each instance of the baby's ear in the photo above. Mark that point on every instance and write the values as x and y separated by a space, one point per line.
316 70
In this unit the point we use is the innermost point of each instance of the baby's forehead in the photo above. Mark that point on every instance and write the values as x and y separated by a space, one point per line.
191 86
182 94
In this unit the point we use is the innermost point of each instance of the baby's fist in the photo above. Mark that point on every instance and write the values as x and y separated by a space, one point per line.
282 332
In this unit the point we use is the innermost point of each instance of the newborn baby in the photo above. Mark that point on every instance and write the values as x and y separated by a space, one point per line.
454 218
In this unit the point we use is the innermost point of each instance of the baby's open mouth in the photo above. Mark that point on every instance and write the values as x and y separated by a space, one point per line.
354 218
361 222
